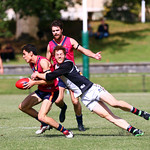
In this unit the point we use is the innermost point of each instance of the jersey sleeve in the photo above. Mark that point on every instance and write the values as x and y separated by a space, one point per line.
64 68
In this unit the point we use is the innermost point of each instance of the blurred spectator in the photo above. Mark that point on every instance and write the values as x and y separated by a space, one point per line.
8 52
1 66
103 30
90 29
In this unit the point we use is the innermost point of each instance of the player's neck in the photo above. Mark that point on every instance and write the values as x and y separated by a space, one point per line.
59 39
34 59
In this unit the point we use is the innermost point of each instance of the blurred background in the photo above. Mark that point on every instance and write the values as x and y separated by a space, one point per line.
125 63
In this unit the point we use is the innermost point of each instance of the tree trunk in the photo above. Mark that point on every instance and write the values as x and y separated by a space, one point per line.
27 25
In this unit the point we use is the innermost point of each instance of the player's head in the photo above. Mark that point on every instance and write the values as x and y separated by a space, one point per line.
57 23
59 53
30 48
57 29
29 53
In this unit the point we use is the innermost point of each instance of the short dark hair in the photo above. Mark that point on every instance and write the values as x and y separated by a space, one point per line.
59 48
30 48
58 23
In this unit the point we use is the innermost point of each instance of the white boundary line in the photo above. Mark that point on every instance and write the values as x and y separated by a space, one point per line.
19 127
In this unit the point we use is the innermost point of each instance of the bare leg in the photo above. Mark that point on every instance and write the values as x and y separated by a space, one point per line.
59 101
103 111
61 104
42 116
76 104
27 104
78 111
45 108
109 99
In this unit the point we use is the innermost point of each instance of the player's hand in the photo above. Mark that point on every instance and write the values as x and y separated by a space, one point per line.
98 56
29 84
34 75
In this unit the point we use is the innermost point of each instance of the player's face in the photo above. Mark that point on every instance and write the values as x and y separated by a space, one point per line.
26 56
59 56
57 32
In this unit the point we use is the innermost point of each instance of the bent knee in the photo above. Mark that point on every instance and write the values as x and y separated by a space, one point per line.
41 117
116 104
75 102
20 107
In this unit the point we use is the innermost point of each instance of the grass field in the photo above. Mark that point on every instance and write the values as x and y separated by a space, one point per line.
113 83
17 130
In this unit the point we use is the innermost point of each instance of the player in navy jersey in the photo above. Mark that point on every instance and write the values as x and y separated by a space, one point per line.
92 95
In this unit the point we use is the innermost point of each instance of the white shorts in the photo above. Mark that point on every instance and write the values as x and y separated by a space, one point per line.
91 97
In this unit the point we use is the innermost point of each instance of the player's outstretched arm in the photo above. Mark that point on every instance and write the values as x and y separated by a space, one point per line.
85 51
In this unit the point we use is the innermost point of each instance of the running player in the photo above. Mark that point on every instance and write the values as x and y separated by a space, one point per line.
92 95
70 44
46 93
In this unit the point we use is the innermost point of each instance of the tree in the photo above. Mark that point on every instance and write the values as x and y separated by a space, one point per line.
42 9
3 24
127 10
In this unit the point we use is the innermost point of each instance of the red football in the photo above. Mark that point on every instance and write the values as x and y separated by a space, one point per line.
20 83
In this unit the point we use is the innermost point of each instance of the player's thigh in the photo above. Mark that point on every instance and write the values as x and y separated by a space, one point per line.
61 92
31 100
74 100
102 110
45 107
108 98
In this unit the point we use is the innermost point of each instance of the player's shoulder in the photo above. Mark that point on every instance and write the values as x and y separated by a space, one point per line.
67 63
44 60
73 41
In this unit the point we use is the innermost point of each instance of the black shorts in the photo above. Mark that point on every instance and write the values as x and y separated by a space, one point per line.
51 96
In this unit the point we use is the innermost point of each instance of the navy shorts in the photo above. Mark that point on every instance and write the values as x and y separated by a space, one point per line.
61 83
51 96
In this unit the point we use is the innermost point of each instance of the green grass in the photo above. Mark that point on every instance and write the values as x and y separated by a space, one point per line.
113 83
17 130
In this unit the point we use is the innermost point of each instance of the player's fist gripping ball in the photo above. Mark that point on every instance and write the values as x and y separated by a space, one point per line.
21 82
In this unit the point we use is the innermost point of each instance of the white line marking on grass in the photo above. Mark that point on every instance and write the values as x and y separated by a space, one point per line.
19 127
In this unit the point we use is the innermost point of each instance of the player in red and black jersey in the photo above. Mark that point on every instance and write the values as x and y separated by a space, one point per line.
46 93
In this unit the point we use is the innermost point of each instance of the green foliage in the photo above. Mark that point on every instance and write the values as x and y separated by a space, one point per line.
126 10
48 9
4 25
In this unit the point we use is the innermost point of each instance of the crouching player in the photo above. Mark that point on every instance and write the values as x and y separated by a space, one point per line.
46 93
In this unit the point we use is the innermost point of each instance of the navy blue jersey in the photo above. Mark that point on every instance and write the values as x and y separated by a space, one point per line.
71 76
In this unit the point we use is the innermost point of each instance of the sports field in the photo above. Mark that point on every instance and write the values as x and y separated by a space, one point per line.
17 130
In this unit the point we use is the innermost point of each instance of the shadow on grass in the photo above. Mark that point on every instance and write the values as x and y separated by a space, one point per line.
81 133
84 135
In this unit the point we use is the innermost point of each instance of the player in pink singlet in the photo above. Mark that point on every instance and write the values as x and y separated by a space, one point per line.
46 93
70 44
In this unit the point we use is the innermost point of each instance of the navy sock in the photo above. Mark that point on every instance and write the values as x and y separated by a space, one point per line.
61 128
79 119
